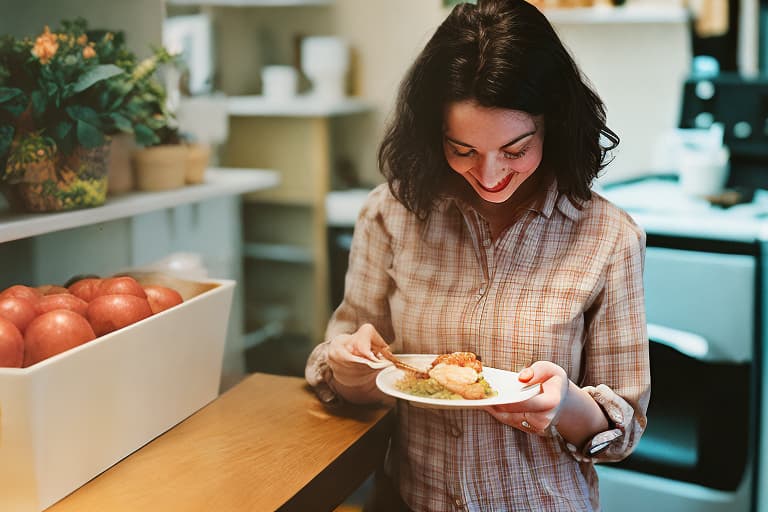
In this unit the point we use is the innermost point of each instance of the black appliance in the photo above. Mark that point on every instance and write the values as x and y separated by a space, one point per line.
741 105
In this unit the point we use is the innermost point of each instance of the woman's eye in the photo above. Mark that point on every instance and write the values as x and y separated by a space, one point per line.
464 153
514 156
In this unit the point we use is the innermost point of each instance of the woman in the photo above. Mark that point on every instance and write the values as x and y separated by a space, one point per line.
488 239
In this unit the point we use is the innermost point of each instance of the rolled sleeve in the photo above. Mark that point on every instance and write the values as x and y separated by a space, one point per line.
617 370
366 288
620 416
318 374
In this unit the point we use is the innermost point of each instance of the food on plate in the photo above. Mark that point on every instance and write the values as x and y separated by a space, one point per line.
18 310
454 376
11 345
54 332
161 297
108 313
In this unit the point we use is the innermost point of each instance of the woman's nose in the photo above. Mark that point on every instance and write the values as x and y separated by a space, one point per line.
489 167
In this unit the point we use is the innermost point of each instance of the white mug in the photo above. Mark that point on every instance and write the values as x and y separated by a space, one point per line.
279 83
703 172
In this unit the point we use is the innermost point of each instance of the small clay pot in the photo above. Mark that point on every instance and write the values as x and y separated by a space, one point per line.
160 167
120 179
198 156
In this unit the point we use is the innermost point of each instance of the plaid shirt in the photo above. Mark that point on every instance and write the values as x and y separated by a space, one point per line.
561 284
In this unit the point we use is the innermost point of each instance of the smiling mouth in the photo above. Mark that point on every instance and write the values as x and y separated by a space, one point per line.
500 185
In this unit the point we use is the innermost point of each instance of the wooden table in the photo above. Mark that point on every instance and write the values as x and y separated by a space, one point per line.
266 444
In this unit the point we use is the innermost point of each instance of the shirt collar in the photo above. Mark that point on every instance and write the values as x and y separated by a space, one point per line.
552 199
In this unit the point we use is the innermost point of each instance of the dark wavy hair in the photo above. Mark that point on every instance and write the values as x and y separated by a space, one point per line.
500 54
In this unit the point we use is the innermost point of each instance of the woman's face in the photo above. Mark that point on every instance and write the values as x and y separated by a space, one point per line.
495 150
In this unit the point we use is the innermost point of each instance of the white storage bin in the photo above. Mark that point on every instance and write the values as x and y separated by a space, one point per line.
68 418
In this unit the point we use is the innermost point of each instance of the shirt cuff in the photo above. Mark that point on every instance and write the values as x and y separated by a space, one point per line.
319 375
618 413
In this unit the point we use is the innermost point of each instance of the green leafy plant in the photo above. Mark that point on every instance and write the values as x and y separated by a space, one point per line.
54 86
72 87
146 104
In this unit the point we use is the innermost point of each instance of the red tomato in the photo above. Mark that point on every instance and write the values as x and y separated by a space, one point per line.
11 345
122 285
85 288
161 298
108 313
54 332
50 289
61 301
20 290
18 311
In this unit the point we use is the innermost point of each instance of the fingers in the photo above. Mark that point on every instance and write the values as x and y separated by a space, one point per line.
366 342
536 413
540 371
518 420
375 342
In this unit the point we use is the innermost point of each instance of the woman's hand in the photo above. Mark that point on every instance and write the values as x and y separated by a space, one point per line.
353 379
561 403
536 414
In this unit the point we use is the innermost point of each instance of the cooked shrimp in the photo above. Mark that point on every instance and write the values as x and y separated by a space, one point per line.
460 359
462 380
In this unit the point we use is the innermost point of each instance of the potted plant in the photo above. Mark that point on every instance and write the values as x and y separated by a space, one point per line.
156 152
59 103
166 158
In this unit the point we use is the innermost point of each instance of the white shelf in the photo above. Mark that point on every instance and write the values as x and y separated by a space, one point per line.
301 106
343 206
278 252
251 3
624 14
218 182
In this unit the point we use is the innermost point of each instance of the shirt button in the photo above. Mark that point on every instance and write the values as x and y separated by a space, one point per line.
458 502
456 431
486 243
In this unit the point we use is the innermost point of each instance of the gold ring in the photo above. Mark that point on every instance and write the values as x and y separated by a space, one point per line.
525 424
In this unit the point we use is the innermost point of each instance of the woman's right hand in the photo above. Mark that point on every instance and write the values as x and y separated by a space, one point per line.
357 380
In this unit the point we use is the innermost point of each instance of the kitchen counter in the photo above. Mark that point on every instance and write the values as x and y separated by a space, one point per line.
661 207
266 444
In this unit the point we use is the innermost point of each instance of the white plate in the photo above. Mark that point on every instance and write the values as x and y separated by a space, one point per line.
505 383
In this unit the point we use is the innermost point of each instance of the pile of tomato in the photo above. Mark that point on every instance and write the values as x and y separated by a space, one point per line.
39 322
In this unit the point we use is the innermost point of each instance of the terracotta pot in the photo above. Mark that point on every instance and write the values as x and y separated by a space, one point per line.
121 179
66 182
198 156
160 167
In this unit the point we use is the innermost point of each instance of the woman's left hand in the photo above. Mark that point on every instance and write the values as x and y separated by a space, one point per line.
536 414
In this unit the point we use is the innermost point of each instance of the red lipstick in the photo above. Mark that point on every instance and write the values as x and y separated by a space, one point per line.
500 185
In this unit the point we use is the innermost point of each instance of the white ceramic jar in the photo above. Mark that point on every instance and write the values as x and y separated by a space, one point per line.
325 61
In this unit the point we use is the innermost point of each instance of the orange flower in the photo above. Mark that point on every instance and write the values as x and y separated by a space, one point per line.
89 52
82 40
45 46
